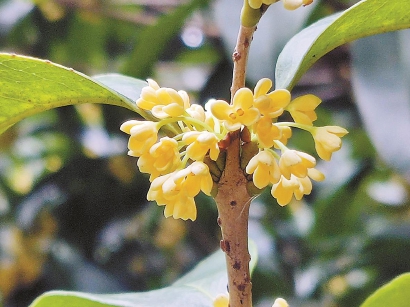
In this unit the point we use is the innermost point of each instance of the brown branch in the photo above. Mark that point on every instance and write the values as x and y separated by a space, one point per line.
240 58
233 199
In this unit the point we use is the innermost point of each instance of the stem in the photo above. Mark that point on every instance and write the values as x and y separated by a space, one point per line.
240 58
233 203
233 199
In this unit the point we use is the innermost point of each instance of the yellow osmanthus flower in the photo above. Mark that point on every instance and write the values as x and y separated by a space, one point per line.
270 104
221 300
297 186
255 4
163 102
286 188
264 168
286 133
144 134
280 302
294 4
162 158
176 191
327 140
266 132
177 205
197 111
200 143
241 112
296 163
302 109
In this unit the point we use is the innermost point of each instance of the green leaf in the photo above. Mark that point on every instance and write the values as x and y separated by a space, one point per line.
126 86
197 288
395 293
29 86
367 17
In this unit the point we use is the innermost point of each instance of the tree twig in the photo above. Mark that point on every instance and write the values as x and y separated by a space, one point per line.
233 199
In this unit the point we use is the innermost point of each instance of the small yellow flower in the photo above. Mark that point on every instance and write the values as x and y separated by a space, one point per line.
176 191
294 186
280 302
315 174
144 134
210 119
200 143
270 104
240 113
163 102
327 140
196 111
266 132
303 108
255 4
284 189
264 168
178 205
162 158
294 4
191 180
296 163
297 186
221 300
286 133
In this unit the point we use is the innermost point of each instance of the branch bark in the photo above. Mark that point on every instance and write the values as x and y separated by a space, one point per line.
233 199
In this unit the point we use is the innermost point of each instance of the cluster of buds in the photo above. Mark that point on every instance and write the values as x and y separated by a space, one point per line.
185 139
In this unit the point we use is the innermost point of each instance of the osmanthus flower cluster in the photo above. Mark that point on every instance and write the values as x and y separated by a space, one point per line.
177 147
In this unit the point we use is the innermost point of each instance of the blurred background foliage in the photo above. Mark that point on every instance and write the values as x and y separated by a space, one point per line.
73 213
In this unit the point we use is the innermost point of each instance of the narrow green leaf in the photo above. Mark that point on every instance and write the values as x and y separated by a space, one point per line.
367 17
197 288
154 39
395 293
29 86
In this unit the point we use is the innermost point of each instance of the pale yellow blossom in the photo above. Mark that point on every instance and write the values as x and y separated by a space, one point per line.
285 189
295 186
286 133
163 102
280 302
176 191
327 140
144 134
200 143
264 168
221 300
270 104
177 205
302 109
266 132
196 111
162 158
241 112
296 163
